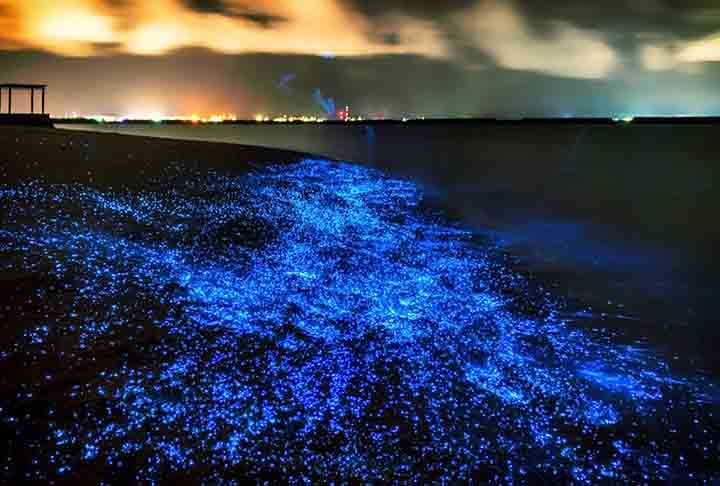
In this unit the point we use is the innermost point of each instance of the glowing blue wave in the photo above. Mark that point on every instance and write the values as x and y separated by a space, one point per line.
316 321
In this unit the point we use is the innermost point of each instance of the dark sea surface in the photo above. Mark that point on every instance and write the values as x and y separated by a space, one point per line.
452 304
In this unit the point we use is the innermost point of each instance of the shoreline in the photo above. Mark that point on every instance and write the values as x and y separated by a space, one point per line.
58 156
600 262
654 184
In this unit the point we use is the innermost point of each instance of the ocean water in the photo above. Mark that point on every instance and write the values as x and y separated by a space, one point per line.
318 320
620 216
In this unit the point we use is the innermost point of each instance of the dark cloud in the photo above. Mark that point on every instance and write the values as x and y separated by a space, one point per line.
622 20
224 8
107 48
262 19
625 19
208 6
387 38
627 27
391 39
431 9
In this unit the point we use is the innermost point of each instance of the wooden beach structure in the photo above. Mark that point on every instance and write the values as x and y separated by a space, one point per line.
7 117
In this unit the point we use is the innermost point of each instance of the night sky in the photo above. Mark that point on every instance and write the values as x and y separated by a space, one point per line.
382 57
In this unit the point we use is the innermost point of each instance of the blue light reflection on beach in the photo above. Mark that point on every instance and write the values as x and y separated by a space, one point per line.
316 321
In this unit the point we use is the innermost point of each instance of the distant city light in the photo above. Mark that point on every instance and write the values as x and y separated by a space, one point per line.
344 115
293 119
155 117
104 118
624 119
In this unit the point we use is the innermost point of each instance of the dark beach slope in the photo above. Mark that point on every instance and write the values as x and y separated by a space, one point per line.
63 157
188 312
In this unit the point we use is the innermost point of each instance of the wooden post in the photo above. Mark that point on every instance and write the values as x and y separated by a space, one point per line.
9 101
0 100
32 101
43 101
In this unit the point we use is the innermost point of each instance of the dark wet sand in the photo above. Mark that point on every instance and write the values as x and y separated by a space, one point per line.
108 160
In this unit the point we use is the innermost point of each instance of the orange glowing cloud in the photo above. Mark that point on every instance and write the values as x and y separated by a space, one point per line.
69 27
81 27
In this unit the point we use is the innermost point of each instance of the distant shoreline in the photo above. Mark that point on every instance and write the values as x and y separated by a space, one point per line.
679 120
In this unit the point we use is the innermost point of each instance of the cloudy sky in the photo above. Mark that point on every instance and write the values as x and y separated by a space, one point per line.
382 57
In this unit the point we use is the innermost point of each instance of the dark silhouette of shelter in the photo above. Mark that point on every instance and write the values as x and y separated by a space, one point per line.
24 87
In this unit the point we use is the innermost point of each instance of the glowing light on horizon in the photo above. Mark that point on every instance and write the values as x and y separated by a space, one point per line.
291 119
153 116
156 117
195 118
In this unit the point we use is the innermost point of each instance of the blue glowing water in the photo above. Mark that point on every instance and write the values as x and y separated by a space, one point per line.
311 321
